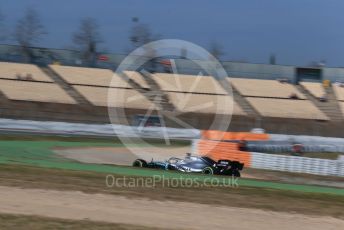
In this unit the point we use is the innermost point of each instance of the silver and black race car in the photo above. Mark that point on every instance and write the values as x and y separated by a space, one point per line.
196 164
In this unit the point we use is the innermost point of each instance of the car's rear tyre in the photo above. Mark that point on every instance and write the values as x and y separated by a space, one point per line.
208 171
140 163
236 173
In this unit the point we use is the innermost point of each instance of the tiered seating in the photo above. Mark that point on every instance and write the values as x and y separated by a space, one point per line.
18 71
89 76
126 98
188 83
341 106
264 88
339 92
287 108
314 88
34 91
204 103
137 77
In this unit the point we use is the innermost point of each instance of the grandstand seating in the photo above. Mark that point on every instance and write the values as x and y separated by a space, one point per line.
341 106
188 83
79 89
19 71
204 103
126 98
314 88
137 77
89 76
264 88
339 91
97 77
286 108
34 91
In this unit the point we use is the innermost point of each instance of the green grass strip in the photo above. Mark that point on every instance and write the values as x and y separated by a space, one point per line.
39 154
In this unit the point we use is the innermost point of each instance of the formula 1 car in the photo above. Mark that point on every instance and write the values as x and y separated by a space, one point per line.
195 164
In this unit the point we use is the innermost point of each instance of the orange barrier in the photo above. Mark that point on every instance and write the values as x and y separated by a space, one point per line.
217 150
221 135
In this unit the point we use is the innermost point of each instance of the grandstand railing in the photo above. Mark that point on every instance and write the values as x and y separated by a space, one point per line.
45 56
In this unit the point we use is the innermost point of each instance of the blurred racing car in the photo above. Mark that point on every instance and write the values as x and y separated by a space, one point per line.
197 164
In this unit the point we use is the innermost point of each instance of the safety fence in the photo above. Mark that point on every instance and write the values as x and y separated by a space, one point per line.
306 140
99 130
288 147
279 143
297 164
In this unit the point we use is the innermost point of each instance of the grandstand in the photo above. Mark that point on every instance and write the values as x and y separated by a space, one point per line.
125 98
203 103
34 91
316 89
339 91
98 77
18 71
188 83
80 94
137 78
272 98
264 88
287 108
89 76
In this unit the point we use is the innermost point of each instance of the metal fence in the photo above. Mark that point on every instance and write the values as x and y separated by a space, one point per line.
44 56
99 130
297 164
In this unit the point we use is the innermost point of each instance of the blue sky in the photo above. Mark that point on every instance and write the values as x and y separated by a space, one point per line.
297 31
